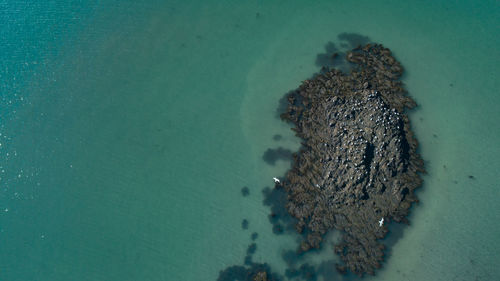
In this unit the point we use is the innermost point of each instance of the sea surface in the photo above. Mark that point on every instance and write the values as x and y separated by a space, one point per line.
129 128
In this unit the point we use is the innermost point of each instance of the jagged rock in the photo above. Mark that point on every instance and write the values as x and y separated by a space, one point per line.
358 161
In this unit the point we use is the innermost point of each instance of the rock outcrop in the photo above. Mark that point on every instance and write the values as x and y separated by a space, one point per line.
358 163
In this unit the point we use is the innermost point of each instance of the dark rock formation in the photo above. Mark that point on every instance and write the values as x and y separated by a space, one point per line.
358 163
256 272
250 271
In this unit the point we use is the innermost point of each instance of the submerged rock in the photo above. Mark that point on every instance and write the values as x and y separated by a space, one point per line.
254 272
245 191
358 165
244 224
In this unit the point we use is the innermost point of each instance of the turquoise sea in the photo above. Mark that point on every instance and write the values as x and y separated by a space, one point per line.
129 128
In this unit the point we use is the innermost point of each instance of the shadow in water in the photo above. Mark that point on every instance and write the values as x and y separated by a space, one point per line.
280 219
272 155
244 224
393 236
335 55
245 191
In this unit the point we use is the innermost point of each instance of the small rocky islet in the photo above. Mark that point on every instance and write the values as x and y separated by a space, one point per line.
358 166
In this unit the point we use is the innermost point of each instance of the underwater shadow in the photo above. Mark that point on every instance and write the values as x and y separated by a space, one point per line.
272 155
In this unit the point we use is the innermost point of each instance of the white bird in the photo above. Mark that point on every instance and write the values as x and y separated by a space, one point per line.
381 222
276 180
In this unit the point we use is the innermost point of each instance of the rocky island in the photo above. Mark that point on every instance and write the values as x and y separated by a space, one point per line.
358 166
355 173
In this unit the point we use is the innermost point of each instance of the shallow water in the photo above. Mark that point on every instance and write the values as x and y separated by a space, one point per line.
128 130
